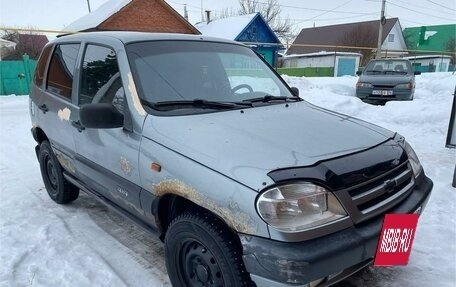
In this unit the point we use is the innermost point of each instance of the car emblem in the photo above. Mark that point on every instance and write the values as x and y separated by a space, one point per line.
389 185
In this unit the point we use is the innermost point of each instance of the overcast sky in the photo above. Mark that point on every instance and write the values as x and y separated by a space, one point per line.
56 14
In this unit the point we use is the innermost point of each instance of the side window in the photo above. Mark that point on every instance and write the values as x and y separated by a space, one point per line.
61 70
100 78
41 66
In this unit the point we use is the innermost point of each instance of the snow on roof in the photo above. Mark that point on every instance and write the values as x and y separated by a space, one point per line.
323 53
6 43
427 57
228 28
98 16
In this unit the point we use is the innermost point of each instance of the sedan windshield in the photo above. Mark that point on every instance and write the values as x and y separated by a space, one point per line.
198 75
394 67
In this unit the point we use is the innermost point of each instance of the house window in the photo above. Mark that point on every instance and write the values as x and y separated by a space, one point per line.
391 38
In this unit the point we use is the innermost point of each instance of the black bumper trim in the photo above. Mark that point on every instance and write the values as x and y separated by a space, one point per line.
297 263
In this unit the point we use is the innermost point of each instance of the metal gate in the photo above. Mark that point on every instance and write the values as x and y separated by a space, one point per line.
346 66
16 76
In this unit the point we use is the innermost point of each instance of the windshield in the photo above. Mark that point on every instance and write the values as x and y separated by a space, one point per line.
398 67
180 71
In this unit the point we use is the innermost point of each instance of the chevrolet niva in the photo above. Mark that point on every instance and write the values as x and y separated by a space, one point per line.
198 140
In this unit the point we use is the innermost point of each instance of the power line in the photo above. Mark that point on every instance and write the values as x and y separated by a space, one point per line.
424 7
440 5
188 5
440 17
326 12
320 10
338 18
407 20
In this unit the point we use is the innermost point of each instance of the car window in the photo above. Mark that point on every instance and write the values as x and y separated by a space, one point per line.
241 69
100 78
388 67
41 66
61 70
179 71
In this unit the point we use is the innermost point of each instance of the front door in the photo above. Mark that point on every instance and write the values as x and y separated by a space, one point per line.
107 159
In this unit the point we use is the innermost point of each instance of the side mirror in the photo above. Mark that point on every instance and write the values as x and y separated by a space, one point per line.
417 73
295 91
100 116
358 73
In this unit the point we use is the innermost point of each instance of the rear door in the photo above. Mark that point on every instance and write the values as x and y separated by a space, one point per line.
53 96
107 159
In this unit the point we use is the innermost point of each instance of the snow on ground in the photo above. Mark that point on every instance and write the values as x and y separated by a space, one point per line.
84 244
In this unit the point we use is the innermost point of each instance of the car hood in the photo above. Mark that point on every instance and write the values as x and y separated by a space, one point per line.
387 80
247 144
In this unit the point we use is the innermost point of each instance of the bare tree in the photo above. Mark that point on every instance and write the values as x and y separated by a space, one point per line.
226 13
30 43
270 10
361 36
450 46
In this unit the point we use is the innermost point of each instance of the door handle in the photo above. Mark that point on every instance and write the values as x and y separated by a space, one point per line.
43 108
78 126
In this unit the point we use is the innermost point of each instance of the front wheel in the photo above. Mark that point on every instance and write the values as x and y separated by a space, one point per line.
201 251
58 188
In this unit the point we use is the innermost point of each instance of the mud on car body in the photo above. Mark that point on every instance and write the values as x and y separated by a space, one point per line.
198 140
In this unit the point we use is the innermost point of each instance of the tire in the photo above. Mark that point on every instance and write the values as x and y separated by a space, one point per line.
58 188
201 251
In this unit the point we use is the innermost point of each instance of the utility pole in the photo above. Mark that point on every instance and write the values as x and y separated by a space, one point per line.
380 31
202 14
185 12
88 5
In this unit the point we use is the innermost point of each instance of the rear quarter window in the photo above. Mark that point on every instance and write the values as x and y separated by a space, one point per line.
61 70
41 66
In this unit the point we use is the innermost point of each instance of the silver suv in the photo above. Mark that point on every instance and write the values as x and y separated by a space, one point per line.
198 140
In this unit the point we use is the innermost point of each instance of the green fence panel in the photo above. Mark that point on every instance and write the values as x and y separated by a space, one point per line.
16 76
307 72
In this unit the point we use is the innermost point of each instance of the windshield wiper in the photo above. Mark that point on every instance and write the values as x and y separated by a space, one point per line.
198 103
374 71
270 98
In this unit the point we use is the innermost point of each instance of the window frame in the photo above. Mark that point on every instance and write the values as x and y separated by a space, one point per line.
391 38
46 66
81 63
74 83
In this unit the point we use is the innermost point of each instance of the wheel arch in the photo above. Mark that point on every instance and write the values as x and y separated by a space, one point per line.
39 135
171 205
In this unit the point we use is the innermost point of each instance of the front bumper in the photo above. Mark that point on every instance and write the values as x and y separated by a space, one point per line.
275 263
398 94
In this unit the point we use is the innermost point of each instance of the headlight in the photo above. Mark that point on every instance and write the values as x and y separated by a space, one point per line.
297 207
413 159
405 86
364 85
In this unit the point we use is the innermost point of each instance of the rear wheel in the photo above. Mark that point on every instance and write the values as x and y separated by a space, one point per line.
58 188
201 251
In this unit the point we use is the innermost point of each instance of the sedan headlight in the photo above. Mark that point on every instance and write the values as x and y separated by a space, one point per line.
364 85
405 86
413 159
300 206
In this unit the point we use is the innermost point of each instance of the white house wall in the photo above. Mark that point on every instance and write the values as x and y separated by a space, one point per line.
303 62
398 43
